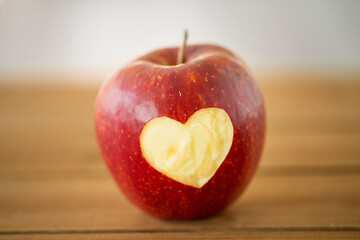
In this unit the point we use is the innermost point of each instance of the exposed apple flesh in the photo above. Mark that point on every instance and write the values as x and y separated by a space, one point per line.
189 153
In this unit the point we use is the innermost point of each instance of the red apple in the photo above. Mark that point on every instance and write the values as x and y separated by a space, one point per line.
181 140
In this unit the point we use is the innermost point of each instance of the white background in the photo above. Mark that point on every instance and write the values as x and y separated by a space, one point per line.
40 35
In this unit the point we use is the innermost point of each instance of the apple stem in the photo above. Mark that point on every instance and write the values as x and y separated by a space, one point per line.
181 53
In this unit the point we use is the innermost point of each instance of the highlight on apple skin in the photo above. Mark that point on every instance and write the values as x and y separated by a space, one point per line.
182 141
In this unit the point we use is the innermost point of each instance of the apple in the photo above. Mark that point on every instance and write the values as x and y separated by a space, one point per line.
181 139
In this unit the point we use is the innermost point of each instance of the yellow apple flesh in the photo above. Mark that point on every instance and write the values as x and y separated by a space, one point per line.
189 153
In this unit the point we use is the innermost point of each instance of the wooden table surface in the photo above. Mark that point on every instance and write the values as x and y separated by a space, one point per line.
54 185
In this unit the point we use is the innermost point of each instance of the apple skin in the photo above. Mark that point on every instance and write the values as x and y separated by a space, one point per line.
154 86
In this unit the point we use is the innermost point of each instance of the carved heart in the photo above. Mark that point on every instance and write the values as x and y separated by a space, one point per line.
189 153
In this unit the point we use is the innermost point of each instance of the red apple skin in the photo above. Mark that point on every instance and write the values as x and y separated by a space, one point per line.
154 86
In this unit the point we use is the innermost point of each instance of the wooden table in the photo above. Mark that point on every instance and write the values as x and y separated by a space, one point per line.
54 185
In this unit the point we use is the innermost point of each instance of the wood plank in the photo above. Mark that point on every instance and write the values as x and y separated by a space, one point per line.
306 154
321 100
312 150
49 102
70 144
289 106
318 99
292 201
314 130
264 234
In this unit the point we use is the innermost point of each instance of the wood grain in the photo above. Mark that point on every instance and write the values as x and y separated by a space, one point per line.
270 201
54 185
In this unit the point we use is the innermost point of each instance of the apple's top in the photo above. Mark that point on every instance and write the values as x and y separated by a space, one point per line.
168 56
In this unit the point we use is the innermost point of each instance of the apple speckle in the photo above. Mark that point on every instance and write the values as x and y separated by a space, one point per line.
192 78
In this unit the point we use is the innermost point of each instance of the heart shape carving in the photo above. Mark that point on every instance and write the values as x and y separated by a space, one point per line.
189 153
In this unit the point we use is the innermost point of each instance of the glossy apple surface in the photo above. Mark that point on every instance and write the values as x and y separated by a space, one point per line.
155 86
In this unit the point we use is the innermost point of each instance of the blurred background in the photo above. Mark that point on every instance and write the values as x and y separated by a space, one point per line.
90 39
